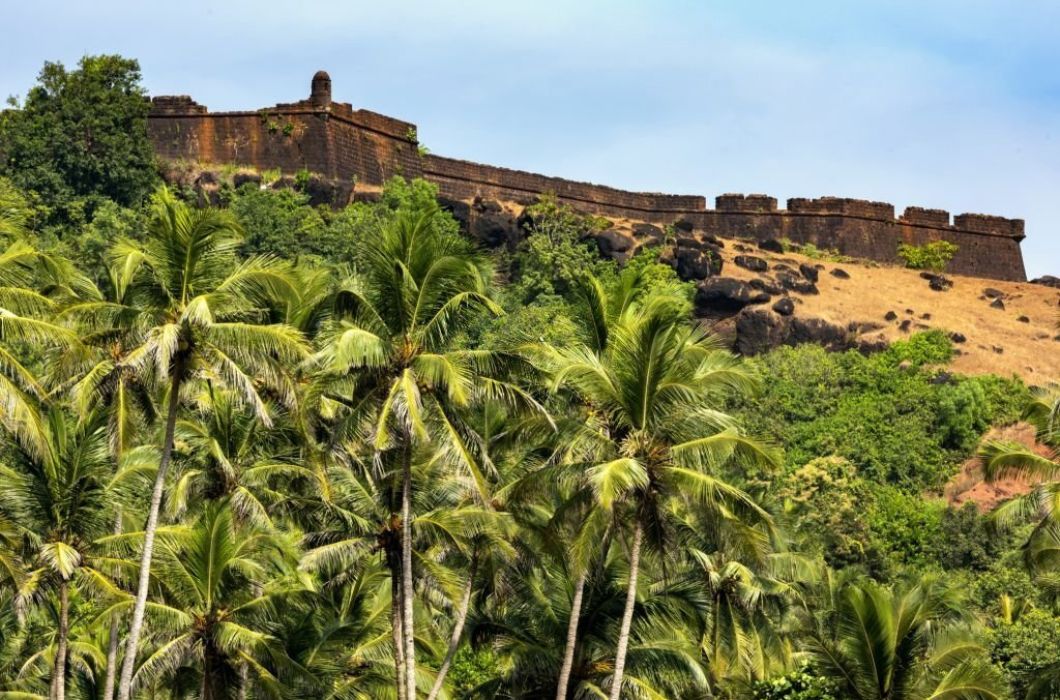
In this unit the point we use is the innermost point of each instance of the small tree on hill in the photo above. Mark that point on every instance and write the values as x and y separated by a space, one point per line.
934 256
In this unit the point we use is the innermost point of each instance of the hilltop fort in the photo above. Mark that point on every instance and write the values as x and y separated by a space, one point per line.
354 151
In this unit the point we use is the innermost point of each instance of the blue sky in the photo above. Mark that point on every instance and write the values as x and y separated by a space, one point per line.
952 104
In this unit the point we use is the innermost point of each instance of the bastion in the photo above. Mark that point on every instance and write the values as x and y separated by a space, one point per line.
357 150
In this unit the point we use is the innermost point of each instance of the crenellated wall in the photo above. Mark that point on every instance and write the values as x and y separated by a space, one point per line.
362 149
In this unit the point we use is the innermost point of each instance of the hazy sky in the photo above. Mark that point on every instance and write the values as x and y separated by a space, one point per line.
952 104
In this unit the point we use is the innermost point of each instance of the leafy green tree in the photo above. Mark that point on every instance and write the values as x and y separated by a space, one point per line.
276 222
81 133
930 256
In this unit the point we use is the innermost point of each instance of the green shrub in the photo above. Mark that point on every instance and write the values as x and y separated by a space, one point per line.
1026 647
277 222
471 668
904 425
908 527
930 256
800 684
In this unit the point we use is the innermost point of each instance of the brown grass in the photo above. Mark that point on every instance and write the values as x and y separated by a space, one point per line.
997 341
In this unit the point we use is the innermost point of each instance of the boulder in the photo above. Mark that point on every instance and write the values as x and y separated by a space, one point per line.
890 316
759 331
725 296
1048 281
784 306
869 346
796 284
494 230
486 205
772 245
809 272
683 225
750 262
821 332
958 337
460 210
766 285
695 264
939 283
240 179
840 273
612 244
649 234
322 191
997 304
208 177
1023 319
991 293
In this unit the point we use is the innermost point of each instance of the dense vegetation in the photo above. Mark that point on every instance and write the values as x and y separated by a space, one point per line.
268 450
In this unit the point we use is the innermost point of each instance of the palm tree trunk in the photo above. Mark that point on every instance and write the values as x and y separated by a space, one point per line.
572 637
140 607
406 572
627 614
393 561
59 669
458 629
112 648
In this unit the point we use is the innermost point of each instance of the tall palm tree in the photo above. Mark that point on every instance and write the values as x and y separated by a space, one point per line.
191 310
598 311
1006 460
392 361
654 395
57 500
906 643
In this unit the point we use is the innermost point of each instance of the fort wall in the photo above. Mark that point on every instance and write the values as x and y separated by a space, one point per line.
360 149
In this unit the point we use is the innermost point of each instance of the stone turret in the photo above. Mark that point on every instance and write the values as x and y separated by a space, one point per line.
320 93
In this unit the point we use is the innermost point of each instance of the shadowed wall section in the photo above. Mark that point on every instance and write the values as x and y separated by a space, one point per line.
360 150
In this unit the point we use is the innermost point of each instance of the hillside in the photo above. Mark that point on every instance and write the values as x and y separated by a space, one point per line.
1018 336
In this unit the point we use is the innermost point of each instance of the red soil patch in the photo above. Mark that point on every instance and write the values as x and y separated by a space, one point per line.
969 485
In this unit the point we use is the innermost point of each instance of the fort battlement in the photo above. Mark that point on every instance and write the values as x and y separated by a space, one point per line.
360 150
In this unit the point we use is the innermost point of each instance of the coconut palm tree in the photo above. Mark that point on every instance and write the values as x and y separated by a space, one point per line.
654 395
57 499
598 312
751 585
907 642
231 455
191 310
24 325
222 587
392 361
